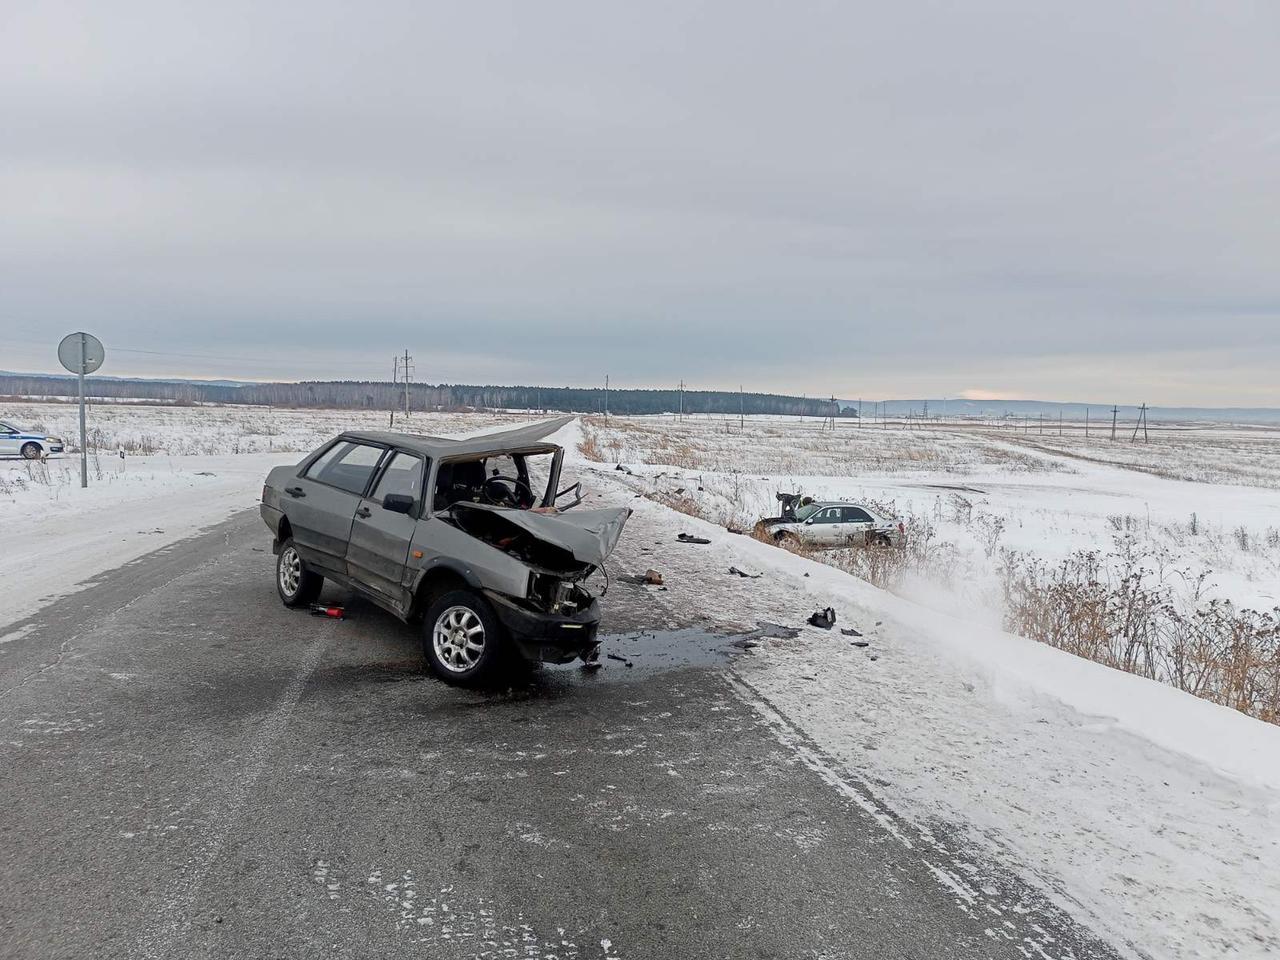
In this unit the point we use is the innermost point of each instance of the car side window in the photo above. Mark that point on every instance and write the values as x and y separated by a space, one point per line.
351 469
856 515
403 476
320 463
830 515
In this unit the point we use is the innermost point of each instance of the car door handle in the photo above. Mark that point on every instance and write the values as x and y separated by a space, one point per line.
295 491
364 512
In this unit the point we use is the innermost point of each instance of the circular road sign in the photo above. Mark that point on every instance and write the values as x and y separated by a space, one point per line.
81 352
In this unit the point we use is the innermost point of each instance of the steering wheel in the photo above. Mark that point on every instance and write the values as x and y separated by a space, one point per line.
502 491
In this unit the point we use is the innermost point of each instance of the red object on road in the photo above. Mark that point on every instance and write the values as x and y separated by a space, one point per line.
320 610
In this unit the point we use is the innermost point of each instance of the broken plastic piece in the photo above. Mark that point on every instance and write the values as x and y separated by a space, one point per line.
745 575
826 619
324 610
690 538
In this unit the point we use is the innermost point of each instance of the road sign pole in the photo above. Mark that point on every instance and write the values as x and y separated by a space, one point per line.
84 456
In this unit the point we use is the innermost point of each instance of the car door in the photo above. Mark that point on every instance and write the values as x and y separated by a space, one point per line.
856 523
379 546
321 503
824 527
9 445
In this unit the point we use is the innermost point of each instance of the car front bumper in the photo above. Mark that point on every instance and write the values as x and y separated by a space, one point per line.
548 637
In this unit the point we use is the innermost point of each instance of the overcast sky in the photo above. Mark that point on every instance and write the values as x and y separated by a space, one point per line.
1078 201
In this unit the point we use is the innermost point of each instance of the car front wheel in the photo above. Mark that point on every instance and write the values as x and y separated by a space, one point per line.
463 639
31 451
296 585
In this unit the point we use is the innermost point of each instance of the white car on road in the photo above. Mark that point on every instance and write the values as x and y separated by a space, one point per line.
28 444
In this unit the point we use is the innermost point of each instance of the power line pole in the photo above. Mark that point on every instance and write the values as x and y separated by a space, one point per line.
1115 412
682 399
1086 422
742 410
395 379
1141 422
606 396
403 365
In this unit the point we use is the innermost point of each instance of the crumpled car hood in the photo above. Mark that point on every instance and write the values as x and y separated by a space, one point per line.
589 535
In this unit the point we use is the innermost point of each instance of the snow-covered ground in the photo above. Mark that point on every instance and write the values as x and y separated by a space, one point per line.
54 535
981 493
1152 815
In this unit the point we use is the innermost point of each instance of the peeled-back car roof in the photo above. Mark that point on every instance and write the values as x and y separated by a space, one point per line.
520 438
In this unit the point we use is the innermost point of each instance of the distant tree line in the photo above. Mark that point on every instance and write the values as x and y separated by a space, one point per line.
384 395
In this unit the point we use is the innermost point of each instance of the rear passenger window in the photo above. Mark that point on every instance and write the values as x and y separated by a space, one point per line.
856 515
351 469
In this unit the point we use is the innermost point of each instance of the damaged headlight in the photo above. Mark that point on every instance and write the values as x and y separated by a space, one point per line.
555 595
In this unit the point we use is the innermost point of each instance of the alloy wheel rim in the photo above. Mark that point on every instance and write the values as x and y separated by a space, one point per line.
290 571
458 639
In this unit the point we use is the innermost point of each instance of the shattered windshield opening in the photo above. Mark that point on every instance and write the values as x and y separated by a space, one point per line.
513 480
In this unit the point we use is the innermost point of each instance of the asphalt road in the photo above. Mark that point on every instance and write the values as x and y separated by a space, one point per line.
188 770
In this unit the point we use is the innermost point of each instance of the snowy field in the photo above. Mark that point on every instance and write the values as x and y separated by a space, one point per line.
1149 813
974 500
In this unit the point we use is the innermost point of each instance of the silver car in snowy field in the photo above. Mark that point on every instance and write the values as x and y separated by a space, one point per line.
449 534
28 444
831 523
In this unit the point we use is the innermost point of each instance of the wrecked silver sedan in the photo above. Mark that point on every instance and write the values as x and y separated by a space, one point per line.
450 534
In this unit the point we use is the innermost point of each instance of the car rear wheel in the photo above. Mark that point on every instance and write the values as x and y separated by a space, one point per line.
31 451
296 585
463 640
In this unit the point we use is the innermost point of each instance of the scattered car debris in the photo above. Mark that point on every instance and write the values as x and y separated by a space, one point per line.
205 473
744 644
774 631
653 577
736 530
859 643
623 660
591 666
626 470
745 575
826 619
334 612
690 538
850 632
873 657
